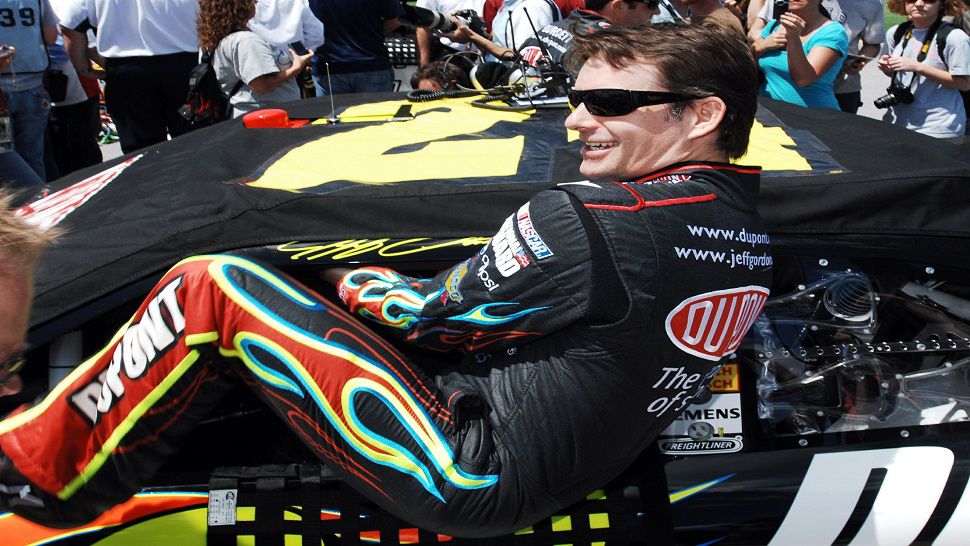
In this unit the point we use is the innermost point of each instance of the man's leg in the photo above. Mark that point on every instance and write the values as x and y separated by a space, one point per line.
376 420
132 99
173 88
376 81
29 111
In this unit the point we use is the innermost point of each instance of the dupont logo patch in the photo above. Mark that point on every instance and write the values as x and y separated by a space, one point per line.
712 325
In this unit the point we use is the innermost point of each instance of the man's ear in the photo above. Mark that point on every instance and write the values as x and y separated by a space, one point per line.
708 114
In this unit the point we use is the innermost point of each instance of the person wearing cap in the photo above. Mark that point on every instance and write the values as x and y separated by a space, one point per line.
588 322
251 72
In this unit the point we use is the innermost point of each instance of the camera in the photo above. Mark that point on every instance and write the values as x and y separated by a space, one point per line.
780 8
436 21
896 94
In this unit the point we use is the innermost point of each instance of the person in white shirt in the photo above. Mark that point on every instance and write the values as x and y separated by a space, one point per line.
430 47
284 22
864 23
149 47
519 20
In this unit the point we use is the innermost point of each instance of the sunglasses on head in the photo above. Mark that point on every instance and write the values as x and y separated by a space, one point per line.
620 102
651 4
11 366
924 1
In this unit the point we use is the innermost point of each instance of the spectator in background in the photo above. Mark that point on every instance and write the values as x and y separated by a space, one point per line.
283 22
712 13
914 64
75 121
430 47
518 20
490 10
355 50
32 27
863 24
149 48
760 12
800 54
251 71
14 172
557 38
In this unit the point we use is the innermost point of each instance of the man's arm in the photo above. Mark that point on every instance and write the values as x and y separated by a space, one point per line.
424 45
76 45
313 31
532 279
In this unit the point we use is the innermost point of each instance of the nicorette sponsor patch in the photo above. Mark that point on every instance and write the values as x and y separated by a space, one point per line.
711 325
529 233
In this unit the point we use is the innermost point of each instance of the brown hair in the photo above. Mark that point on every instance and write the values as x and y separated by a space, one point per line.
217 19
691 59
20 241
948 7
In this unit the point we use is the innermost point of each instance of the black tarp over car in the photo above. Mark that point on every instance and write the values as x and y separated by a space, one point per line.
835 182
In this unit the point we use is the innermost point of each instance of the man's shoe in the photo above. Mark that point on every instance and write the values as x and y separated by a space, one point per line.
19 496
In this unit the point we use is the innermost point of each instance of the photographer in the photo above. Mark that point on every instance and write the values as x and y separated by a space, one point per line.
432 47
927 73
801 53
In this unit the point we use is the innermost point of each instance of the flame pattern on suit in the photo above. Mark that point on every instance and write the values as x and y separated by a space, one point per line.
359 376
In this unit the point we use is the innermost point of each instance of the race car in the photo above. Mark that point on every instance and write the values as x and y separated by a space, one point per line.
841 418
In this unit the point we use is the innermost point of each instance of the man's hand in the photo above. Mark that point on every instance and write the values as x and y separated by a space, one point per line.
301 61
7 54
335 274
853 66
461 35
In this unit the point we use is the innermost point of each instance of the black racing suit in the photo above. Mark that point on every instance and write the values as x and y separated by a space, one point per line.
590 320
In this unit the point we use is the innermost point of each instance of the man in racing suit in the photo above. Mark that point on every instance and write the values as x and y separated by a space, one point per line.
592 317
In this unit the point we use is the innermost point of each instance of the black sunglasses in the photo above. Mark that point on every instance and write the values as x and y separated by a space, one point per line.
620 102
651 4
11 366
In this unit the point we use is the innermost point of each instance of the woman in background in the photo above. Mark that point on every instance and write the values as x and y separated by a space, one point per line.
253 73
801 53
